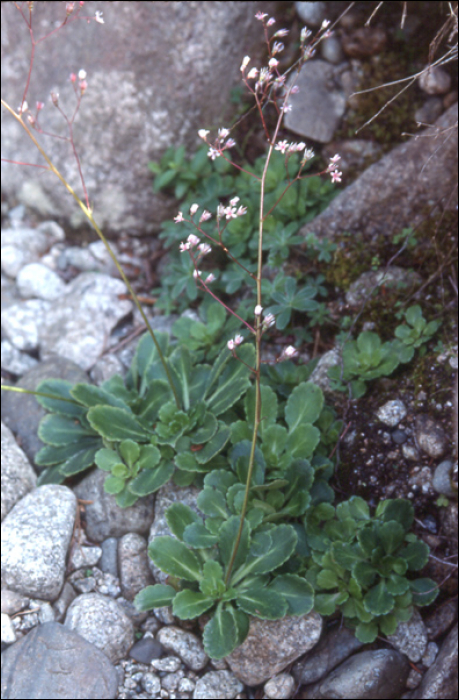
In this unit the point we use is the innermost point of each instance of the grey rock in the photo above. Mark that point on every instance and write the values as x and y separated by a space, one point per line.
430 111
173 65
184 644
167 664
271 645
15 361
320 103
103 622
392 412
333 648
430 654
399 437
54 662
18 477
368 282
331 51
217 684
151 684
441 480
440 681
430 436
411 637
8 634
392 193
13 602
319 375
104 518
21 323
312 13
441 619
35 537
170 681
78 325
434 80
13 259
37 280
146 649
133 559
377 675
109 559
22 413
280 686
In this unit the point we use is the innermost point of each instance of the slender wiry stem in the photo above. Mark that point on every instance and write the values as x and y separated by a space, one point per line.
258 334
89 215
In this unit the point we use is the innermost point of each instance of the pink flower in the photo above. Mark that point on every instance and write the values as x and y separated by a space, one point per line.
202 133
196 274
204 248
184 246
192 240
336 176
268 321
253 72
261 15
179 218
210 278
281 32
221 210
213 153
234 342
281 146
278 46
194 208
270 22
288 353
273 63
98 17
234 201
222 134
258 309
205 216
245 63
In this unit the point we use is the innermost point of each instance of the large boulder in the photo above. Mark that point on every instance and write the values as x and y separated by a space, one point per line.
156 73
399 190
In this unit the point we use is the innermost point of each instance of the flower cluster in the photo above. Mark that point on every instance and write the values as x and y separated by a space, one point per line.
220 144
333 169
82 82
234 342
286 147
231 212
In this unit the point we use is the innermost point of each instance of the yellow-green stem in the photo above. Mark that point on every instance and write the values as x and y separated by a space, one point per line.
89 215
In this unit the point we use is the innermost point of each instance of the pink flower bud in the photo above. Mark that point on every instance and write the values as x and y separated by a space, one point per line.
179 218
245 63
202 133
258 310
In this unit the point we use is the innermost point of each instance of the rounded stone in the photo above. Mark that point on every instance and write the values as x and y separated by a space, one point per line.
392 412
441 480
